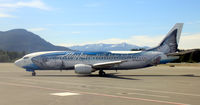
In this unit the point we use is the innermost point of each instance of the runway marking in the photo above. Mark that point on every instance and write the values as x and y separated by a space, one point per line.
64 94
124 88
97 94
147 95
156 91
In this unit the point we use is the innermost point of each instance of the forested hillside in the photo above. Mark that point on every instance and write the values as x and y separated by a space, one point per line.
19 40
6 56
193 56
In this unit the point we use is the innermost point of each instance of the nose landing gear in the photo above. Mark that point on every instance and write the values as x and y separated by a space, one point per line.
33 71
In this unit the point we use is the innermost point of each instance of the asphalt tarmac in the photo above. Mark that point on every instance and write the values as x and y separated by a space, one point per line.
160 85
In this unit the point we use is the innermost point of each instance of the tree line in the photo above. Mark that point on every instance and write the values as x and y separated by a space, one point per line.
191 57
9 56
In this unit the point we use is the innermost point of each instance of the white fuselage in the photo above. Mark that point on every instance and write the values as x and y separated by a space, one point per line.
63 60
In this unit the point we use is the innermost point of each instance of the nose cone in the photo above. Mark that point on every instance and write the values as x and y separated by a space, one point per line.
18 63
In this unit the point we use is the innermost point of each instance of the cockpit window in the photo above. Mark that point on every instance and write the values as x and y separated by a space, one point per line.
26 57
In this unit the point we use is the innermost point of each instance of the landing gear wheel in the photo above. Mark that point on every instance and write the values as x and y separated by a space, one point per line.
34 73
102 73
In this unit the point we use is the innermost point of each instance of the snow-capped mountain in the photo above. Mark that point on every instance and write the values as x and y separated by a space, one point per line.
106 47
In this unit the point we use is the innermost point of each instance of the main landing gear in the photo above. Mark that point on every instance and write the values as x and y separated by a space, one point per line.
33 73
102 73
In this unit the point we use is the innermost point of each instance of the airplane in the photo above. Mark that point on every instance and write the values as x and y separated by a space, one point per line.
85 62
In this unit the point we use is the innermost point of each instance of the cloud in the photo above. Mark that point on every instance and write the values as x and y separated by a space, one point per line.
10 6
36 29
186 41
185 33
190 41
2 15
139 40
32 4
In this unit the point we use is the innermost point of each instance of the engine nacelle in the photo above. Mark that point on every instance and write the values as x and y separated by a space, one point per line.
83 69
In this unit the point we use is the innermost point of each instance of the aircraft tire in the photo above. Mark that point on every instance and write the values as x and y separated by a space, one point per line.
102 73
33 73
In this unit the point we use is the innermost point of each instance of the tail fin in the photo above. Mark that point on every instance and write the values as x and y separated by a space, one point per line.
170 42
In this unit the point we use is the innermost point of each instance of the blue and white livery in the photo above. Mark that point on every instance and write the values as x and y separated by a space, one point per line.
84 62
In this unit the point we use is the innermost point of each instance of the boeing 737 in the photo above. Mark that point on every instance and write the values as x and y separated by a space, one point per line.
84 62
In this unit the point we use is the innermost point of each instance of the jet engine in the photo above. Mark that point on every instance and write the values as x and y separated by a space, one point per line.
83 69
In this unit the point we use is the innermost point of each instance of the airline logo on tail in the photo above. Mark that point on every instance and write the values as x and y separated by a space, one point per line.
170 42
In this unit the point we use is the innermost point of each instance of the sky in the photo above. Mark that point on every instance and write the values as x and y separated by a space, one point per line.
79 22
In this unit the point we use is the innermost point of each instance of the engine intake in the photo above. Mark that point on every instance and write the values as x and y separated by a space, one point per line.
83 69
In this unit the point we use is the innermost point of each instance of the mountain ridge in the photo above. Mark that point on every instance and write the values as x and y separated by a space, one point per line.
106 47
20 40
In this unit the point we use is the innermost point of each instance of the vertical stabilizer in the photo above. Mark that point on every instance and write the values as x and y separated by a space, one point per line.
170 42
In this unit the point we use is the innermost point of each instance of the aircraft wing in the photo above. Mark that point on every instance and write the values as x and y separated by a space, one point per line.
107 64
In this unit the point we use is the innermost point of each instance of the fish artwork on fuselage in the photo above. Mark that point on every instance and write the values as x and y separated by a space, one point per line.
84 62
65 60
